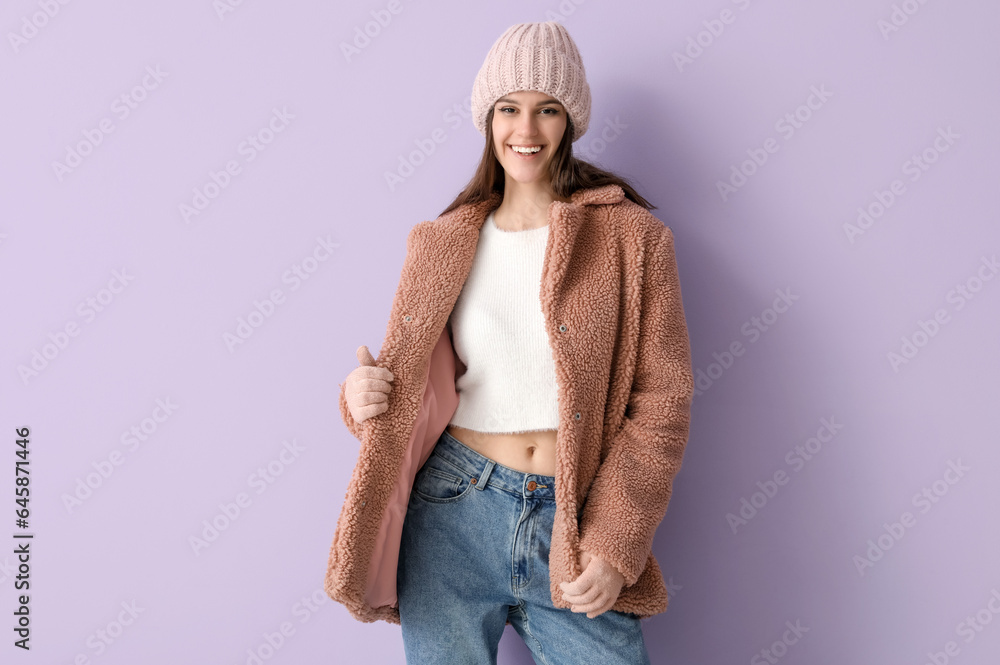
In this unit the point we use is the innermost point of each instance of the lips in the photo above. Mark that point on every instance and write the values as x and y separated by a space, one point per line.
526 155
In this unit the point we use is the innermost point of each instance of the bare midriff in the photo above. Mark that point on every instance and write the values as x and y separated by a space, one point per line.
527 452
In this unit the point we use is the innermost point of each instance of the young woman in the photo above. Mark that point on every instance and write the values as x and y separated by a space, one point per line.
530 406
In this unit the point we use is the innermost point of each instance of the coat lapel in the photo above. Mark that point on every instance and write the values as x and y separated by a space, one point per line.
448 245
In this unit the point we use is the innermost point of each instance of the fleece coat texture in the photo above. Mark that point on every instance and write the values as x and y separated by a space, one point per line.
611 300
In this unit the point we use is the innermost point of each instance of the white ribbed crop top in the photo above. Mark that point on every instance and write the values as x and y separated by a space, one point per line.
498 331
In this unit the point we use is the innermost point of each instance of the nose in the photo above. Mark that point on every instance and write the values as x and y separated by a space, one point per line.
528 124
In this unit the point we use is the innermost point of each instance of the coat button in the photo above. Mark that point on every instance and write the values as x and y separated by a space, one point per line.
562 328
407 318
532 486
576 416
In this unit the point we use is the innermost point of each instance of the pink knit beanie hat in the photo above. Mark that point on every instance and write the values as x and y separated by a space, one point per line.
533 56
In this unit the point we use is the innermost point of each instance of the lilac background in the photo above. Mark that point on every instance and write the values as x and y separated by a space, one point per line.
680 130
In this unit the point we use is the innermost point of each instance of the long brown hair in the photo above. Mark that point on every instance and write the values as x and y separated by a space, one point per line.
568 173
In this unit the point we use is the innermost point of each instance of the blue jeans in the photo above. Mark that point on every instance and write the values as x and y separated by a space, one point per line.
474 553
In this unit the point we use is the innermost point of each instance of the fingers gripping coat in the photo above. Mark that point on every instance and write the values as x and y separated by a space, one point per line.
611 299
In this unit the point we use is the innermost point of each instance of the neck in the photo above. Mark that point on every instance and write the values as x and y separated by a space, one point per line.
525 205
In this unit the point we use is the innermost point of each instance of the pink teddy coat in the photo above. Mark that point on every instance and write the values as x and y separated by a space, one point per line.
611 301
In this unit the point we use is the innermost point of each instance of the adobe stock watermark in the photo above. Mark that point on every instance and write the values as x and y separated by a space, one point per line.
7 570
32 23
260 480
370 30
273 641
796 458
924 501
87 311
968 629
563 10
249 148
672 589
225 7
786 126
121 108
754 328
899 16
131 439
592 146
101 639
407 164
713 29
779 648
959 296
263 310
914 167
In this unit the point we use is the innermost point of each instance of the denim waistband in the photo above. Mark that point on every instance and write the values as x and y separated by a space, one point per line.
488 472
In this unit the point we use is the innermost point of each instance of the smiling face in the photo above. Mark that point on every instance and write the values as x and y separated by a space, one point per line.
533 122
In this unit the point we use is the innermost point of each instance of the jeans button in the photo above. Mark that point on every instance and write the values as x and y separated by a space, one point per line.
531 486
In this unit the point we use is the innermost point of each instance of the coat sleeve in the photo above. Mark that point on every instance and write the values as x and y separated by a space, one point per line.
629 495
356 428
345 413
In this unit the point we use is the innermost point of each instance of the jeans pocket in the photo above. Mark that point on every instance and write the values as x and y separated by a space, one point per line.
440 483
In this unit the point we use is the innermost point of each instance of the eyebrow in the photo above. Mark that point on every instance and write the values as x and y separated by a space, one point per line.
508 100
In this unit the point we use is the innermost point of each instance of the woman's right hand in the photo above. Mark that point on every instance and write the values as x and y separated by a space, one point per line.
367 387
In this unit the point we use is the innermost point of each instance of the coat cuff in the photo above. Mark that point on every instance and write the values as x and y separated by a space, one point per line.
345 413
629 495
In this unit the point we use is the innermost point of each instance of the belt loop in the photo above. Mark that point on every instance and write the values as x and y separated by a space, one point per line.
485 475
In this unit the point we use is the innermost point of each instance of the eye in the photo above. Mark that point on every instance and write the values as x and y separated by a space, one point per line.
548 110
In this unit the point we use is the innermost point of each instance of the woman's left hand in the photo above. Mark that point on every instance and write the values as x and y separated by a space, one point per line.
596 589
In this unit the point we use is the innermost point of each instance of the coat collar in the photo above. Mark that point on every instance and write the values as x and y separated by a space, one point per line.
449 242
474 214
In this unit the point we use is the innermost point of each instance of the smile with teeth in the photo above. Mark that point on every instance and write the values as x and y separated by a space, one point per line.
525 150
